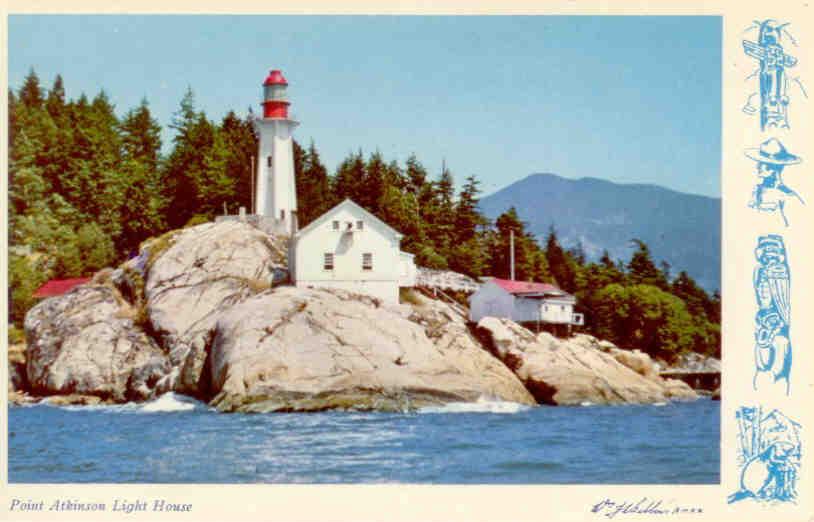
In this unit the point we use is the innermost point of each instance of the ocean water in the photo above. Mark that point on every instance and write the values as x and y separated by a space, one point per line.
177 440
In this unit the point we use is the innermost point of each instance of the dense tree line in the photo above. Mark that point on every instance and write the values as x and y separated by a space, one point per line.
87 187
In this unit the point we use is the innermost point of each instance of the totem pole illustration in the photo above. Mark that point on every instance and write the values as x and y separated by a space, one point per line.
772 282
773 80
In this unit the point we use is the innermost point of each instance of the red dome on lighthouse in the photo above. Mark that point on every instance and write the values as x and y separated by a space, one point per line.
275 77
275 100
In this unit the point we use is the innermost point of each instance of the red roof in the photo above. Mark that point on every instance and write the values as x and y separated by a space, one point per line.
275 77
527 287
59 286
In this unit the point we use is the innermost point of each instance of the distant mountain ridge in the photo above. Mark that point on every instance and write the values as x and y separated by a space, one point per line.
682 229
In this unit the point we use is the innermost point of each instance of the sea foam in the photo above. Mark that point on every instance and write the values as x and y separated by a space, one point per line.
482 405
170 402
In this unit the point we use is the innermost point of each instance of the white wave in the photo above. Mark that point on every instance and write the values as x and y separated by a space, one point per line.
659 404
482 405
586 403
170 402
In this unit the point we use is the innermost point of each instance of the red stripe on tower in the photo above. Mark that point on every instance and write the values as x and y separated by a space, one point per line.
275 102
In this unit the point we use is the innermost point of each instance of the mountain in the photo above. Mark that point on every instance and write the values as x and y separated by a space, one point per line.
682 229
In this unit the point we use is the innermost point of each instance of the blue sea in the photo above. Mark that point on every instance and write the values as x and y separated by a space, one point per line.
177 440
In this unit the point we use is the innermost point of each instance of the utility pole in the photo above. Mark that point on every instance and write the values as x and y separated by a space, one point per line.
511 252
251 177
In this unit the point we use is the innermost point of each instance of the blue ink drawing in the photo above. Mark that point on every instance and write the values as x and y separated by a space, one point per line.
772 282
769 456
771 193
773 77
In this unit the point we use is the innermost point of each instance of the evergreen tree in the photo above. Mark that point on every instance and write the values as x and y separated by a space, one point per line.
55 103
559 262
31 92
642 270
313 188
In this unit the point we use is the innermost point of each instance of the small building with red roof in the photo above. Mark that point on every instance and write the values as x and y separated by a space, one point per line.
523 302
56 287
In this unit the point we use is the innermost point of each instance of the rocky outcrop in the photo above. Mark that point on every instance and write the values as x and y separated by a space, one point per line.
695 362
200 312
16 368
85 343
445 280
192 276
293 349
578 370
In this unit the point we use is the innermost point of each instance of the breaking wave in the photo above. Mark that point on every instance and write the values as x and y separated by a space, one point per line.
482 405
170 402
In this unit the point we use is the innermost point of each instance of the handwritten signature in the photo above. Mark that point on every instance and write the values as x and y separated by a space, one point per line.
646 506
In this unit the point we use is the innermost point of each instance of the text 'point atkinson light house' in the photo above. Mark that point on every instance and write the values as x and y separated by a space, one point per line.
276 190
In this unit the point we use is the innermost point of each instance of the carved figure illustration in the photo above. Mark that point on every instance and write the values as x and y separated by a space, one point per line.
769 456
771 193
773 81
772 282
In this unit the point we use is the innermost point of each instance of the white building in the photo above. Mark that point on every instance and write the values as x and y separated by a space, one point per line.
523 301
276 192
347 247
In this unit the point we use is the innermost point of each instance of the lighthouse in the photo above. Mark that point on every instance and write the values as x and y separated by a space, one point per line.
276 196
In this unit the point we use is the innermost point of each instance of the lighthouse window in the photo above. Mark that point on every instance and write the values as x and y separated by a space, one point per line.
367 261
268 161
328 261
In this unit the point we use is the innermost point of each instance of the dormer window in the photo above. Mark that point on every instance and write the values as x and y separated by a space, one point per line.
348 226
336 225
360 225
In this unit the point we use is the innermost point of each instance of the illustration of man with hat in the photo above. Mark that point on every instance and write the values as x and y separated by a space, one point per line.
770 193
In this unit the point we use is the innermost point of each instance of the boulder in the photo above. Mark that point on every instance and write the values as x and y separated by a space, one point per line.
291 349
191 276
574 371
16 368
84 342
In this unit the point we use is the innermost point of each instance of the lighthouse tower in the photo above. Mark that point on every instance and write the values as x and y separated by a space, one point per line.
276 192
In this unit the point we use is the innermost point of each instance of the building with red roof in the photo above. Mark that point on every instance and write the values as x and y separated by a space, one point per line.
524 302
59 286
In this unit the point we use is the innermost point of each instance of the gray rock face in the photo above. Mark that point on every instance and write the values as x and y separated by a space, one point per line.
295 349
83 342
577 370
193 276
445 280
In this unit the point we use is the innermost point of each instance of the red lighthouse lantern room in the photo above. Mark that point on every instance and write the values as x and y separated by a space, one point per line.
275 103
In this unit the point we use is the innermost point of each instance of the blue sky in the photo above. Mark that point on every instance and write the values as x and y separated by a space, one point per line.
628 99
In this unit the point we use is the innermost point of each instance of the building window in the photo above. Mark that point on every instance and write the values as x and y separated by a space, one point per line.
367 261
328 261
336 225
545 308
268 161
282 214
562 308
359 225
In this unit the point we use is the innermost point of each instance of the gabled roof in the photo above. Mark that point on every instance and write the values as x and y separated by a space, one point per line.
353 206
59 286
528 287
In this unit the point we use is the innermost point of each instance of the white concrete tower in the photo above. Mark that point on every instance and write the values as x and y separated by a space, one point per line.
276 189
